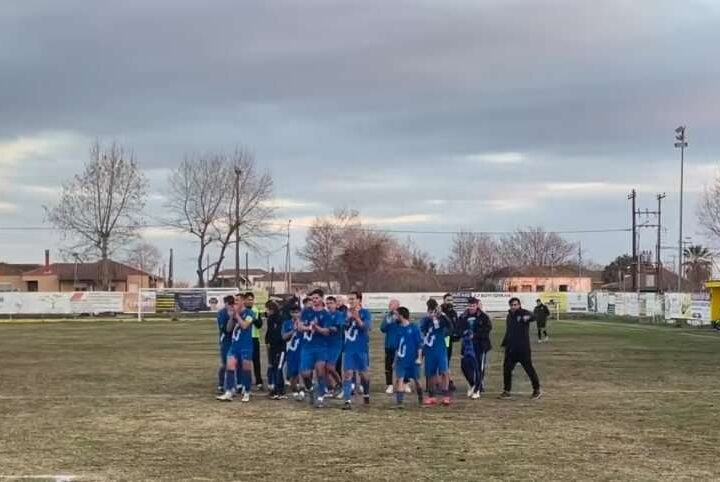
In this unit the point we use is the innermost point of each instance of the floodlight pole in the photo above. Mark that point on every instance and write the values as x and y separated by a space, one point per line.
682 144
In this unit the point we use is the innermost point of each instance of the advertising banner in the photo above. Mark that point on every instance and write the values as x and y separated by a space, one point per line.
94 302
130 302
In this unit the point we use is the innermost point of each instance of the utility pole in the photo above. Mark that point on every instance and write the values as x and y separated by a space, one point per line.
288 276
247 271
658 260
682 144
238 172
634 267
580 260
170 270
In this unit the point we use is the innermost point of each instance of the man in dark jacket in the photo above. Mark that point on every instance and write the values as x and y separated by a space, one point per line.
276 350
479 324
517 348
541 313
449 311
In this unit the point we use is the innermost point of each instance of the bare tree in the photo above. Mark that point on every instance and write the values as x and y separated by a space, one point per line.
101 209
254 207
364 253
144 256
202 202
326 239
473 254
534 246
708 211
197 193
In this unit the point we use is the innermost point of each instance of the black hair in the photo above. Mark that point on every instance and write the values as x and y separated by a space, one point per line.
513 300
271 305
357 294
404 312
306 300
432 304
250 294
446 295
229 300
330 298
318 291
538 300
295 308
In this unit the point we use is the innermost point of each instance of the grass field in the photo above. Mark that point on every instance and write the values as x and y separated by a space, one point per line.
129 401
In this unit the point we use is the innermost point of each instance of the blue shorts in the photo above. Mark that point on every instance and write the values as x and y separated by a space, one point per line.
310 357
436 364
292 358
356 362
407 372
224 352
242 353
333 353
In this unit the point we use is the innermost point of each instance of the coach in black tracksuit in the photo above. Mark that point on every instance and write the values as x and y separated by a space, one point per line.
517 348
276 349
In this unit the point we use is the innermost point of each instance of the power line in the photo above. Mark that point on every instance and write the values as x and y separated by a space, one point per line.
371 229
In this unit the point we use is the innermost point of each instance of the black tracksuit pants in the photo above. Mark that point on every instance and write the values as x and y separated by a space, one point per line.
256 361
389 362
524 358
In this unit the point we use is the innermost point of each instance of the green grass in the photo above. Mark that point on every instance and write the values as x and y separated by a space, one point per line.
130 401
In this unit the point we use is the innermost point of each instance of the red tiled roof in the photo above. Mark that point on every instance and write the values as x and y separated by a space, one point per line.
86 271
8 269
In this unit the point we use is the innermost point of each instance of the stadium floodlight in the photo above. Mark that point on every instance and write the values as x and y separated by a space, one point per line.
681 144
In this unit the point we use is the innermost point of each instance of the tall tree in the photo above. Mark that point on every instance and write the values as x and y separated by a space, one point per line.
101 209
473 254
251 213
144 256
698 266
708 211
364 253
533 246
203 192
617 268
326 239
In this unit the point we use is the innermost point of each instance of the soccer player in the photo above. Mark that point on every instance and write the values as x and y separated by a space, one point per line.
449 311
517 348
225 338
478 323
276 351
257 325
434 328
390 326
357 348
314 347
541 313
336 326
240 353
408 356
292 337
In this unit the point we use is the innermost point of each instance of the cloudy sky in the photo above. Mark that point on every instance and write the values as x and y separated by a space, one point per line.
427 115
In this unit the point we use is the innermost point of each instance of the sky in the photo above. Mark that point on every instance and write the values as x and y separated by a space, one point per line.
425 115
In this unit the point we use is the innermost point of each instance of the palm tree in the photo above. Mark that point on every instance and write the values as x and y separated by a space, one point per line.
698 265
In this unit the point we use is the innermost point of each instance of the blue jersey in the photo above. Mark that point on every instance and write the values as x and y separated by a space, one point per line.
391 328
313 340
293 344
223 318
243 338
468 348
434 332
409 342
357 340
336 320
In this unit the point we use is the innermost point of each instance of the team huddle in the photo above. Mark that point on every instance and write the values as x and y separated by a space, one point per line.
319 347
